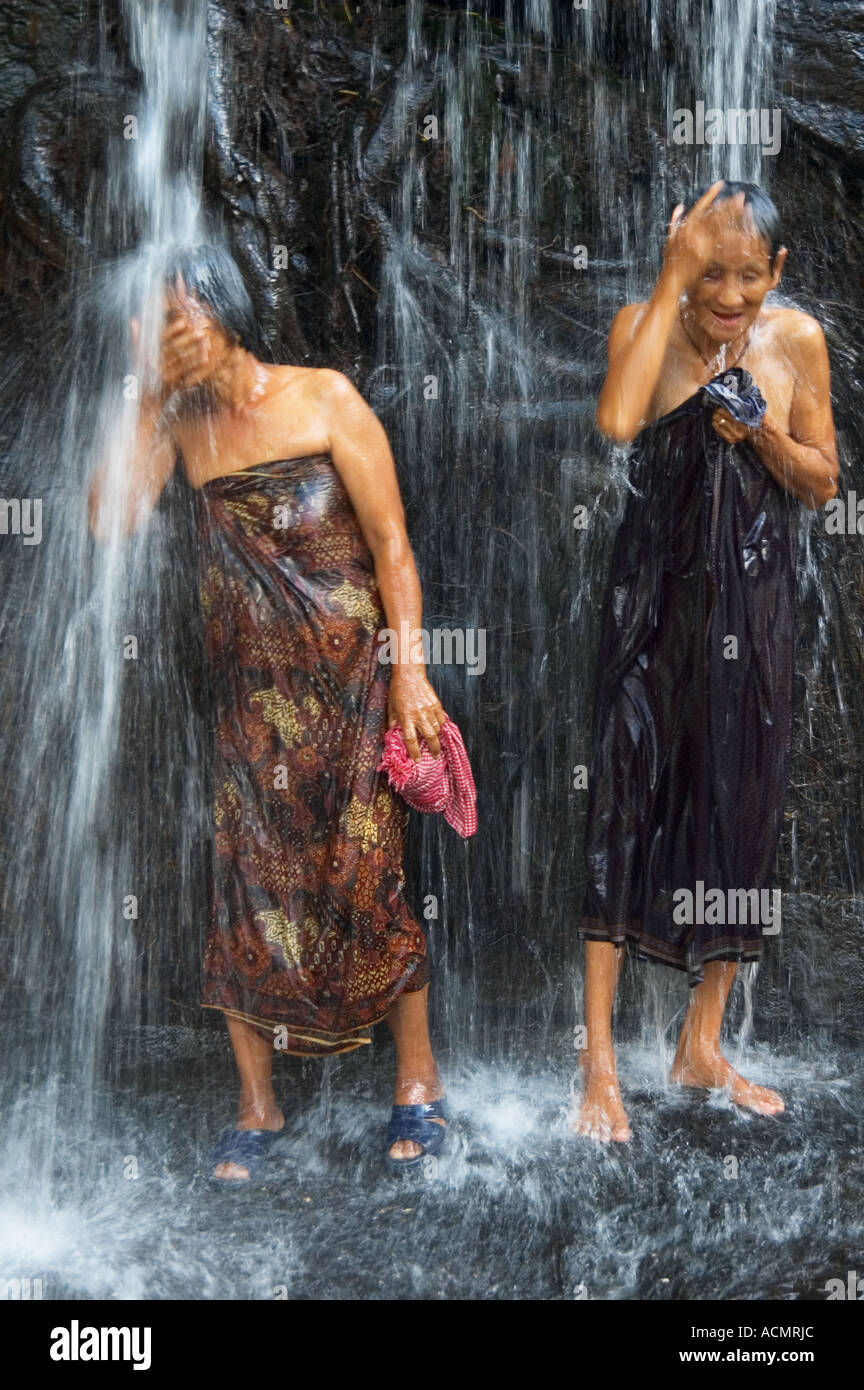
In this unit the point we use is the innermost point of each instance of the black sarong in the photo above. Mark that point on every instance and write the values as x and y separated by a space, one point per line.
693 706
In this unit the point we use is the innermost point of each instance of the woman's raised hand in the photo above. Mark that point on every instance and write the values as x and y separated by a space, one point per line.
691 242
185 349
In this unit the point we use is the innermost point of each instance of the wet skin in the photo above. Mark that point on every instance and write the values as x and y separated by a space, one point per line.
707 313
257 412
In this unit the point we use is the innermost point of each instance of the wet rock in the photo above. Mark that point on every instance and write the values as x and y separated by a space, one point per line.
820 61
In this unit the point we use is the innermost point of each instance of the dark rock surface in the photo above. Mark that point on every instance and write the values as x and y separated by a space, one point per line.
305 143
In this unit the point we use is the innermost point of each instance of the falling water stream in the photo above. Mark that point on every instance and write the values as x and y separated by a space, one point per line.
488 351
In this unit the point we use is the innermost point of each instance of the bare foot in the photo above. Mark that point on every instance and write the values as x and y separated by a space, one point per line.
270 1117
601 1116
416 1092
711 1071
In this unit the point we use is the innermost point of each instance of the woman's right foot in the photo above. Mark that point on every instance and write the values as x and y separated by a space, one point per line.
416 1092
602 1116
269 1117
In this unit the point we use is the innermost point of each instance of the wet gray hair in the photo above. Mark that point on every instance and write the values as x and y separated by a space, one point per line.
763 210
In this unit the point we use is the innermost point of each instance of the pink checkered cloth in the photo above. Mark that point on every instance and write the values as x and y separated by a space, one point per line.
443 784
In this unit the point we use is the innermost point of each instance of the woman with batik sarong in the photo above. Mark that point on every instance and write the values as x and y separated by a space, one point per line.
304 561
693 706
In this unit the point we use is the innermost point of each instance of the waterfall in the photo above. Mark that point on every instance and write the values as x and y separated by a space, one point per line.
512 167
93 759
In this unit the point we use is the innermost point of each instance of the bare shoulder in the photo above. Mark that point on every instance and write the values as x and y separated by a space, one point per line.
329 385
300 380
320 392
316 386
800 334
626 320
338 403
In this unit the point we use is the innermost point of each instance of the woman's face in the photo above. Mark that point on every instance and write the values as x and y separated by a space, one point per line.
193 343
727 298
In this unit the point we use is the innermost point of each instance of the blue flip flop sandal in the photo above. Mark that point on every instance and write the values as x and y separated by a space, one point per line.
415 1123
247 1148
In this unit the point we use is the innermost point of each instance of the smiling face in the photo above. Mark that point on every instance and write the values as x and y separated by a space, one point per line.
727 298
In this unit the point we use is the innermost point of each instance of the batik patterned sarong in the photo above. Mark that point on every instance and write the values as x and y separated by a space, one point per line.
309 929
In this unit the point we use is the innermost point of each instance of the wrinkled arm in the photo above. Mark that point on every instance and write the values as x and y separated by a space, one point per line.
804 461
361 454
637 347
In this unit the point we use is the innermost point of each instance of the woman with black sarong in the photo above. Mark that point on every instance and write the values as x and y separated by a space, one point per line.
305 560
693 707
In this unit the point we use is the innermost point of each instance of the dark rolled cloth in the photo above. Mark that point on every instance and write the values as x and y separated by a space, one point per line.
691 731
746 404
309 928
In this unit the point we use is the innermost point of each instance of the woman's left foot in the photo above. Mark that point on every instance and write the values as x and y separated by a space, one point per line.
712 1072
411 1094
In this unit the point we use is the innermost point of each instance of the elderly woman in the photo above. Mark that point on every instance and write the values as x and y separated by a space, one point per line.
304 560
726 400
